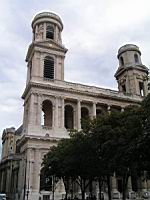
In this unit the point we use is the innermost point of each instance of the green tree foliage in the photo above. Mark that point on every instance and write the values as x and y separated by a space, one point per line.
116 142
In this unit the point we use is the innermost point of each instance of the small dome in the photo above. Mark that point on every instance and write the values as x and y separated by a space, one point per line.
47 17
128 47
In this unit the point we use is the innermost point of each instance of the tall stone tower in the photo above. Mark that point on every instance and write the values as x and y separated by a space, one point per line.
45 74
132 75
45 67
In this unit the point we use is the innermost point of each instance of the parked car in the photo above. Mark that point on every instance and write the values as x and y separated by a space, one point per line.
2 196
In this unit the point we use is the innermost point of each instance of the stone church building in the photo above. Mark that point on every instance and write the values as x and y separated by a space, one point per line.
53 106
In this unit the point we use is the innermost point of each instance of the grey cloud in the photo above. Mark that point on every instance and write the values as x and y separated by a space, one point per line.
93 32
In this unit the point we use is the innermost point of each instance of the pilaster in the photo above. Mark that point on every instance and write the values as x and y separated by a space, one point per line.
79 115
94 109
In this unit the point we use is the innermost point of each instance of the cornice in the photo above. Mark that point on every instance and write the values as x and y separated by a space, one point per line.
26 137
121 70
46 44
123 98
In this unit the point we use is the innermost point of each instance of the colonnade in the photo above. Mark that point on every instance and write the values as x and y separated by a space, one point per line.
59 108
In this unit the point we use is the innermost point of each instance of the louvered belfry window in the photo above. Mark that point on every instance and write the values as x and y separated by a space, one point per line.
49 32
49 67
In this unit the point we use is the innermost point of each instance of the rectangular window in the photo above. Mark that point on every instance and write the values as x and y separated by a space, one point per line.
124 88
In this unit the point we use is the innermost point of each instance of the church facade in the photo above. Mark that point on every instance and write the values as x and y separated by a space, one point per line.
53 106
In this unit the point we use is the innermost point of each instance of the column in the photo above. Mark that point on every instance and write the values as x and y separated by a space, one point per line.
35 175
79 115
109 109
115 193
148 185
36 170
122 109
144 188
114 183
44 34
53 114
62 113
94 110
39 111
144 184
31 111
129 185
56 112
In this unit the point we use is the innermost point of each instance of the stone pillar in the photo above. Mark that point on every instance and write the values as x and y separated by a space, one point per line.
36 170
62 112
79 115
109 109
53 115
144 184
131 193
36 166
44 34
39 111
56 112
31 110
2 180
115 193
148 185
94 110
122 109
114 183
144 187
129 185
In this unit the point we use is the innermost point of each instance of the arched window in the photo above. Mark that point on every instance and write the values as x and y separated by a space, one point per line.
47 113
121 61
49 67
141 87
99 112
69 117
49 32
84 113
136 58
84 116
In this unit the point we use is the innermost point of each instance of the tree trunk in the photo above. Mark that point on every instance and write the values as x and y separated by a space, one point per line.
83 194
109 188
125 182
66 187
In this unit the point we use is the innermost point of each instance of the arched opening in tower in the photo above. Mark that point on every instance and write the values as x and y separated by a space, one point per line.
136 58
99 112
49 32
84 116
69 124
47 112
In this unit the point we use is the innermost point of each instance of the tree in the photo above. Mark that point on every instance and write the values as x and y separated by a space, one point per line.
116 142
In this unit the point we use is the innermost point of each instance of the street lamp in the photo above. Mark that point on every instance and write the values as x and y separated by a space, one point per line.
53 187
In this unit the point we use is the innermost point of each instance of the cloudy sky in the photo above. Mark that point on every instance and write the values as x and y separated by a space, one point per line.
93 32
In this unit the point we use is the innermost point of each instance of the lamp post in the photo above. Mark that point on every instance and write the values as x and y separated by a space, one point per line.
53 187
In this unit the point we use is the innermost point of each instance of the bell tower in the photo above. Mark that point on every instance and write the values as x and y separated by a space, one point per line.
132 75
45 56
45 70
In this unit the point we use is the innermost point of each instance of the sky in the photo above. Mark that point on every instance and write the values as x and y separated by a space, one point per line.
93 32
